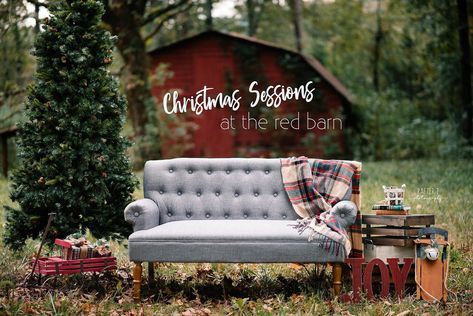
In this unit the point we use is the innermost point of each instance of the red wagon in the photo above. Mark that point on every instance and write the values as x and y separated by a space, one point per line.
58 265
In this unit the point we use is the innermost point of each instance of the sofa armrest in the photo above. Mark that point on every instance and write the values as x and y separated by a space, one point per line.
142 214
345 212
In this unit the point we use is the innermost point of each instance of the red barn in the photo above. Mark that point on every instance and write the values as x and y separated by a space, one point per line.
226 62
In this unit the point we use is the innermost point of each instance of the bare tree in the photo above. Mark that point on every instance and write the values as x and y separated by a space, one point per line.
126 20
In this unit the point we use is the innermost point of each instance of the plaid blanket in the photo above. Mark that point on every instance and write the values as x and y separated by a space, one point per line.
314 188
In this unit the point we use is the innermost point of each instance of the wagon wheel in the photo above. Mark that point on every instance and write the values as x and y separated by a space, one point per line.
46 280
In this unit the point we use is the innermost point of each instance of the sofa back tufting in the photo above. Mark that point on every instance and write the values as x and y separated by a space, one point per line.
217 188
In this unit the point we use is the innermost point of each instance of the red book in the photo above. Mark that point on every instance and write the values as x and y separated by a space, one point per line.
391 212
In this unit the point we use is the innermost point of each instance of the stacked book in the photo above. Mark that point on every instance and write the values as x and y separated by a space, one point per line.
386 209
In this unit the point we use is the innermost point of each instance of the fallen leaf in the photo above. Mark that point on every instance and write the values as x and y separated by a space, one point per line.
404 313
87 307
267 308
295 266
296 298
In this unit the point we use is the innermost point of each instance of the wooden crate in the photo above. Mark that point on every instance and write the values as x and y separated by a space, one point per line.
57 265
384 252
394 230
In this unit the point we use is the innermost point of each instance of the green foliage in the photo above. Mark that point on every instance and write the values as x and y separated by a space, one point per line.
294 63
251 68
274 23
417 111
419 75
390 127
148 145
16 67
71 153
175 131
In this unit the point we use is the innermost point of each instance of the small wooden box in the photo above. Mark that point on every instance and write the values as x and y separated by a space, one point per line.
394 230
392 236
384 252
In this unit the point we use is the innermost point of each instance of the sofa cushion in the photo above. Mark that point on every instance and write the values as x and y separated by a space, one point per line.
218 189
228 241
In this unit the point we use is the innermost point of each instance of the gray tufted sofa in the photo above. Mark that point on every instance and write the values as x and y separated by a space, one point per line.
220 210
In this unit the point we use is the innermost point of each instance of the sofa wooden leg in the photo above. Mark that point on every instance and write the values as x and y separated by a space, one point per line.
337 278
151 273
137 271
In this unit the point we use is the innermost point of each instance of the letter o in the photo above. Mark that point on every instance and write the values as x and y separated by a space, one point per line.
368 278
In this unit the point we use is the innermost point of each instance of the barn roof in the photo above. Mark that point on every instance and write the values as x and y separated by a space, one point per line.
311 61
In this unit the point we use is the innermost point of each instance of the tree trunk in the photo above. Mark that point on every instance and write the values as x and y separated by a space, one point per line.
250 9
208 12
297 21
36 17
379 150
377 47
254 9
463 30
132 48
184 20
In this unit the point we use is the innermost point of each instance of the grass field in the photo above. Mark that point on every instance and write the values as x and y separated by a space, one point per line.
444 188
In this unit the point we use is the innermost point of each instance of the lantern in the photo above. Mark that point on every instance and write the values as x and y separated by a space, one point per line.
394 195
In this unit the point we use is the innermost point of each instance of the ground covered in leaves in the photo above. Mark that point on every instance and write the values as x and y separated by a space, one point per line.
267 289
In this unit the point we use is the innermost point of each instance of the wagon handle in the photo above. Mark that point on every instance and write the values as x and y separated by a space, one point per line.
43 239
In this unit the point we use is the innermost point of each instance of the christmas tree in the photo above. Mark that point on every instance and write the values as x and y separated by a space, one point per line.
72 156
